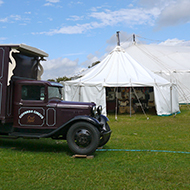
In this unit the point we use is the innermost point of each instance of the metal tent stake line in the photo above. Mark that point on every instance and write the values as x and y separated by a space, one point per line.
131 150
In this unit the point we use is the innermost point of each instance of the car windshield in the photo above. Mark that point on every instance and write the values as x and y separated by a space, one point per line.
54 92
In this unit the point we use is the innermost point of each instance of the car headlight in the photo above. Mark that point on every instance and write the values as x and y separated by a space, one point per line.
99 110
94 111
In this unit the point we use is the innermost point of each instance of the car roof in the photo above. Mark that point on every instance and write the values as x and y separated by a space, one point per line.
27 49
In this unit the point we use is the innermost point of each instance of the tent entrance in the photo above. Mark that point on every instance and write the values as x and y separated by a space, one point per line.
129 99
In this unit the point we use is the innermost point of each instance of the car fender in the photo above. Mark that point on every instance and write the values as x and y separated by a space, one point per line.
103 119
64 128
86 118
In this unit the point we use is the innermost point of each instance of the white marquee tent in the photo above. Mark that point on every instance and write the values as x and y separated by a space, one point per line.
169 62
119 69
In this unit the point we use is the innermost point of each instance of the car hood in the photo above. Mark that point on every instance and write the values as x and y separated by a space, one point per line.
71 104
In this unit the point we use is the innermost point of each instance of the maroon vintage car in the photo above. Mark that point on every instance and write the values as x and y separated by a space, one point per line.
32 108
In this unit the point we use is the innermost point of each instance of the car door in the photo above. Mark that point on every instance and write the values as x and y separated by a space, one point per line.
31 108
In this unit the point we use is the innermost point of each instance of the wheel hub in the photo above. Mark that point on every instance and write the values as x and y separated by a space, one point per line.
83 138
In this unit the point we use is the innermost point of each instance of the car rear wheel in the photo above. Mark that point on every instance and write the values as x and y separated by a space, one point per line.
83 138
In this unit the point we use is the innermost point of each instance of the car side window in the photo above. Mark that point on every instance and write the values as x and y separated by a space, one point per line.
33 92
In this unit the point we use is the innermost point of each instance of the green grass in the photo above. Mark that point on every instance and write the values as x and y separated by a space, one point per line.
48 164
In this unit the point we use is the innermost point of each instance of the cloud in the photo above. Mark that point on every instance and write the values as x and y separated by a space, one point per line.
28 13
50 19
75 18
1 2
60 67
77 29
75 3
158 13
175 42
175 13
3 19
48 4
104 6
172 12
14 18
90 59
129 17
157 3
11 18
51 2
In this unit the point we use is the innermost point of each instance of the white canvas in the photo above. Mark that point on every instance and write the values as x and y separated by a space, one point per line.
169 62
119 69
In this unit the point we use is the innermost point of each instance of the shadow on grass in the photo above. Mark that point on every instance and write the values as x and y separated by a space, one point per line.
36 145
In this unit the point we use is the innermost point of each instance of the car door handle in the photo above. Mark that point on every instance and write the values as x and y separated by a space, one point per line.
20 103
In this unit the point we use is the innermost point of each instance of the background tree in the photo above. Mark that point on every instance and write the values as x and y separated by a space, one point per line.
60 79
51 80
93 64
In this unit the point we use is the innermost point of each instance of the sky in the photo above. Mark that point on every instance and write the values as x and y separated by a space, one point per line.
78 33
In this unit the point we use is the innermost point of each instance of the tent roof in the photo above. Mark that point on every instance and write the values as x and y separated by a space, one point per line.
161 58
120 69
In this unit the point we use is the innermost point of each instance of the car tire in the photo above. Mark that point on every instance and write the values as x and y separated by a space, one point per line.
83 138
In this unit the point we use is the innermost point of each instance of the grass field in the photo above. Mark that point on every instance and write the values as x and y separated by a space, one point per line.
48 164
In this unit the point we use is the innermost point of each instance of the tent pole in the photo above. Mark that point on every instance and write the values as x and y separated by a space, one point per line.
79 94
80 91
118 40
116 94
134 40
130 100
140 103
171 98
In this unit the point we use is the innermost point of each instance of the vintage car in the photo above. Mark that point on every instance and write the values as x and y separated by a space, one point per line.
32 108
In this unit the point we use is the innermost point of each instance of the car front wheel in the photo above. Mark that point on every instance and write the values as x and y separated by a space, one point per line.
83 138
